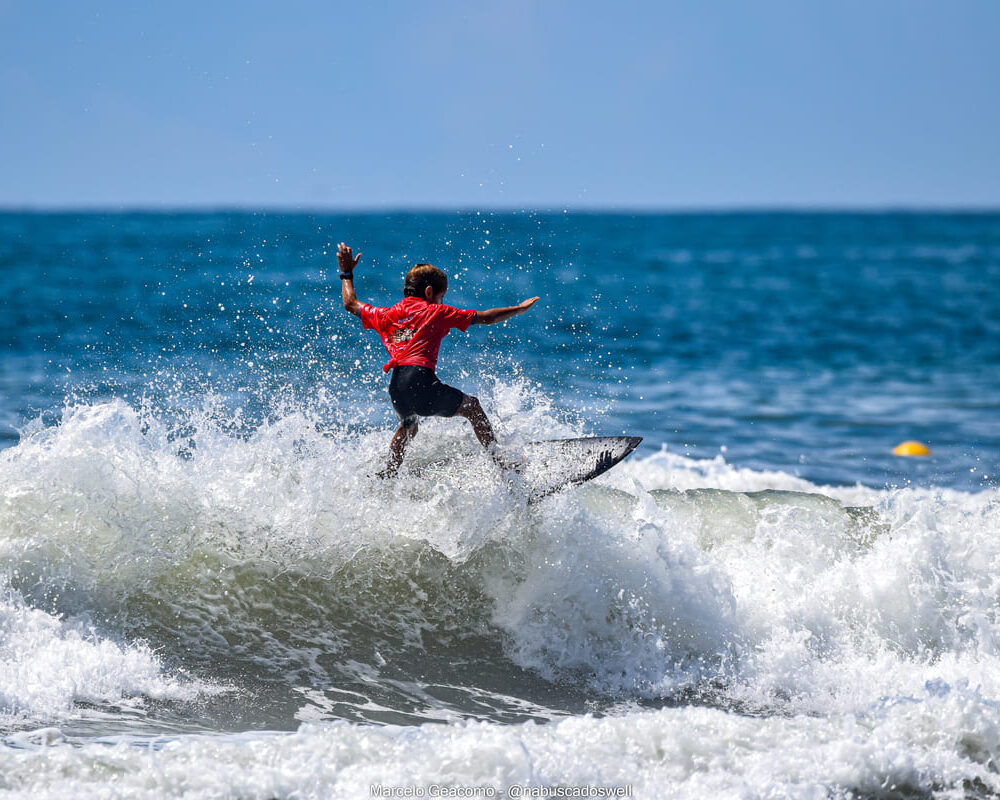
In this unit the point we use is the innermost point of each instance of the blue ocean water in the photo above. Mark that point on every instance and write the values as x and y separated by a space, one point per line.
807 343
205 592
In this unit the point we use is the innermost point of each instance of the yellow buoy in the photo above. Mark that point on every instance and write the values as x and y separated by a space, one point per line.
911 449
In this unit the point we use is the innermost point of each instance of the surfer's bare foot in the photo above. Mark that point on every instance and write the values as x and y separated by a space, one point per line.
508 462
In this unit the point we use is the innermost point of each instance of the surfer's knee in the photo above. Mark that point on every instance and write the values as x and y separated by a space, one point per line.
403 435
470 407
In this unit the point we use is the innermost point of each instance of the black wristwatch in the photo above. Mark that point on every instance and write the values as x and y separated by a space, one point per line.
345 275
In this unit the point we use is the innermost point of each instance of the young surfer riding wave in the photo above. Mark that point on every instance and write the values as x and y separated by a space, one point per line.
412 331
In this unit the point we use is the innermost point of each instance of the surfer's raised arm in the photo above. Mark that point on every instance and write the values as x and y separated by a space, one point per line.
347 262
494 315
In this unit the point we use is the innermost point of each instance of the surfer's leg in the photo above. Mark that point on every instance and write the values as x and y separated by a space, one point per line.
397 448
472 411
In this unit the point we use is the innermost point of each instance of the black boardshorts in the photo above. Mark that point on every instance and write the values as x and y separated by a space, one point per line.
417 392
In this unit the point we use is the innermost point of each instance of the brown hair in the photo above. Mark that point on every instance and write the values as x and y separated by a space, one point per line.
422 276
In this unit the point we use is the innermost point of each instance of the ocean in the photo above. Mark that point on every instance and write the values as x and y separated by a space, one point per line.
206 592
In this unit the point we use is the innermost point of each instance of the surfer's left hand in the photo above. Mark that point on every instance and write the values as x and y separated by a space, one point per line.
525 305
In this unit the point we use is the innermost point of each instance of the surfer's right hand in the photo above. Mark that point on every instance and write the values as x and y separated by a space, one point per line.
345 258
526 304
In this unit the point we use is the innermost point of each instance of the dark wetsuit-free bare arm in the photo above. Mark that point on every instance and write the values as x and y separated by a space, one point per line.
347 262
494 315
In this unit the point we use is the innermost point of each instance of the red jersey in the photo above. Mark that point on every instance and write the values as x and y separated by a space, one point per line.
412 329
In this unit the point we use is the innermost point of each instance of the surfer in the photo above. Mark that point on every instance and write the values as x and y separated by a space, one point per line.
412 331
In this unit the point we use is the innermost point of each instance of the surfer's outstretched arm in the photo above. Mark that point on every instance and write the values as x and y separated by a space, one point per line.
494 315
347 262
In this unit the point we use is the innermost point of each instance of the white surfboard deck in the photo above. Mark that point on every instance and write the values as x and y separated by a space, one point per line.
548 465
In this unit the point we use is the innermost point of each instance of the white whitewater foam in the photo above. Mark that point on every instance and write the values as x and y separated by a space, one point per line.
47 664
865 644
778 598
938 743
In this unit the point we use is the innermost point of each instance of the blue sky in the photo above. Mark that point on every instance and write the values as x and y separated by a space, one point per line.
543 104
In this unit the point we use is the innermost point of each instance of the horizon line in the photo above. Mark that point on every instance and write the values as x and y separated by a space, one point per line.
366 209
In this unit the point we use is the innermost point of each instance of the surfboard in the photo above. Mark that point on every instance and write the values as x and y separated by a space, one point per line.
548 465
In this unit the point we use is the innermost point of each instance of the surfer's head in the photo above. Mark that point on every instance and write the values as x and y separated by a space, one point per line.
426 281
